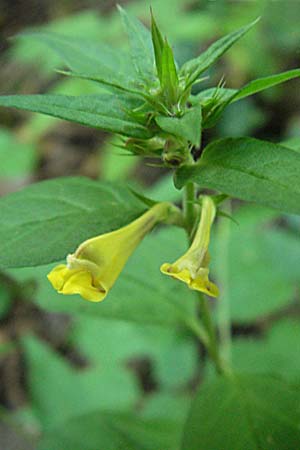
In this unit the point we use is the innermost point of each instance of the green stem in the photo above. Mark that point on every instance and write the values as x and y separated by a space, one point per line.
213 344
205 330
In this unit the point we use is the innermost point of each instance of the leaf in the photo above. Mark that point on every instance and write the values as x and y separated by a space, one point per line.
140 44
249 169
46 221
141 294
292 143
72 392
106 111
263 264
193 68
108 431
277 352
169 77
187 127
244 412
253 87
85 56
158 44
16 158
224 97
265 83
81 25
109 82
163 346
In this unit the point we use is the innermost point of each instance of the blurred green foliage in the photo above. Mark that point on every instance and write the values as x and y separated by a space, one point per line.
71 407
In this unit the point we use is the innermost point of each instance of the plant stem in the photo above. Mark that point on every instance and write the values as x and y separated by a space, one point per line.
205 330
213 343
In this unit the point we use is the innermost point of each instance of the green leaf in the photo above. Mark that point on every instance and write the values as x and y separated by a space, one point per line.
265 83
81 25
221 97
277 352
195 67
253 87
46 221
187 127
263 264
106 111
249 169
244 412
140 44
108 431
85 56
158 45
169 77
163 346
293 143
165 302
16 157
110 82
72 392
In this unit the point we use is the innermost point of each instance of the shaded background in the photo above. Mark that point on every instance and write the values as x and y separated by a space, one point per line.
47 358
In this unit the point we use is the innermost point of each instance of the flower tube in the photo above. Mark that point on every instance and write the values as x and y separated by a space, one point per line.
192 267
96 264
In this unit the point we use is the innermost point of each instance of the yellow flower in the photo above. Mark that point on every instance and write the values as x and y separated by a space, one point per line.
96 264
192 267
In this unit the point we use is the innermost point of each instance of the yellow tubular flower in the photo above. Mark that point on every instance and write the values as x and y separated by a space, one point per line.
192 267
96 264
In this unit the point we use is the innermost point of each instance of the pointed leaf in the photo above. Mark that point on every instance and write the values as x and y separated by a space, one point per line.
85 56
193 68
187 127
140 44
158 44
106 111
46 221
224 97
169 77
249 169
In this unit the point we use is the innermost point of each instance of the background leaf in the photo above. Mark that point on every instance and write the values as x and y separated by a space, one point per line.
46 221
89 57
246 411
16 157
263 263
72 392
277 351
107 431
